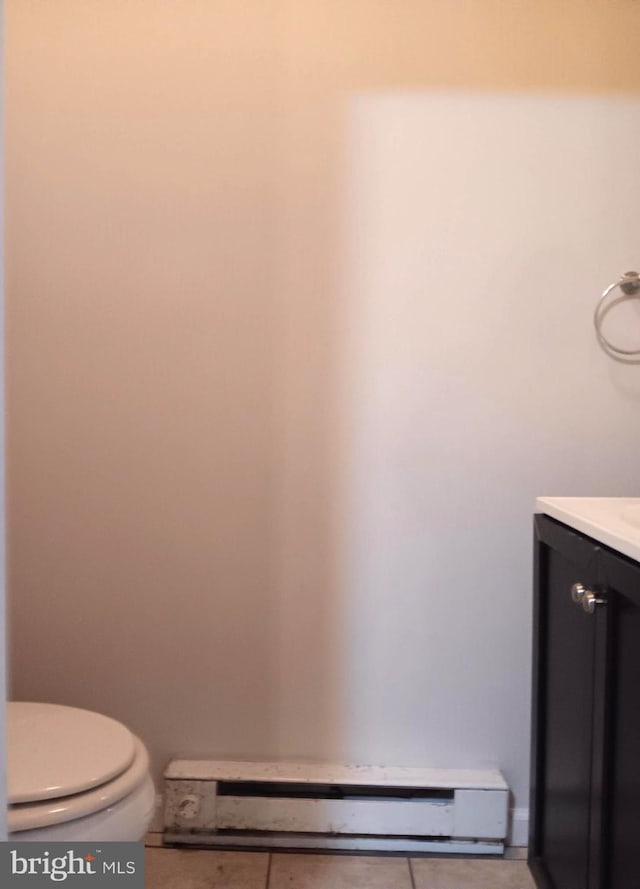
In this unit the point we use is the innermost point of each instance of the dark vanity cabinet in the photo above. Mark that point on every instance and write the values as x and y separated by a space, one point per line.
585 772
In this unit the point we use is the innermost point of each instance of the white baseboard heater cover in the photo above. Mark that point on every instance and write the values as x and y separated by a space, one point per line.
301 805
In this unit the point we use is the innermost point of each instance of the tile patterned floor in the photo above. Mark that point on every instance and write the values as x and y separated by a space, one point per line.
213 869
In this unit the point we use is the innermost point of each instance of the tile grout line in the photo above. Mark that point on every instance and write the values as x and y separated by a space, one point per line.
266 884
412 878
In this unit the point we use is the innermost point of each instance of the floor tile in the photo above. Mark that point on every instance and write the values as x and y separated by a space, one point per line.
338 872
205 869
470 873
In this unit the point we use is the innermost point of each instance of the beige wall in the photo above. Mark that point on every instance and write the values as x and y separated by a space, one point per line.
178 185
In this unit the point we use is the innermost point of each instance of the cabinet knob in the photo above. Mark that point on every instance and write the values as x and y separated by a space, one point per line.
578 592
590 600
582 595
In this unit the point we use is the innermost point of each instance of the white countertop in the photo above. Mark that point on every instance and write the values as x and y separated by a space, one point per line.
614 521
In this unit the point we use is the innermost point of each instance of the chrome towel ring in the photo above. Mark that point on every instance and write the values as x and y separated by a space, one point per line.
629 284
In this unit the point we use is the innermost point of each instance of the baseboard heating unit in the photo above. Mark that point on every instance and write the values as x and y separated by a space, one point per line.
306 806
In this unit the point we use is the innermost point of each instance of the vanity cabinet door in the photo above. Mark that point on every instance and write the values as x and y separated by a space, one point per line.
621 802
570 695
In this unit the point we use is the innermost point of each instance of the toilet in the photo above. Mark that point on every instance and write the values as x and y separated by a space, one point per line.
75 775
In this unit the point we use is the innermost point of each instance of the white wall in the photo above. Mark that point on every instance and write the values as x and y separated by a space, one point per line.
299 323
480 230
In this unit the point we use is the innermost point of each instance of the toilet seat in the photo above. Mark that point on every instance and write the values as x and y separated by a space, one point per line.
111 762
56 751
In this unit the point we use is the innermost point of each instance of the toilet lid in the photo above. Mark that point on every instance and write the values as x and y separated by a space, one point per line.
56 751
45 813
